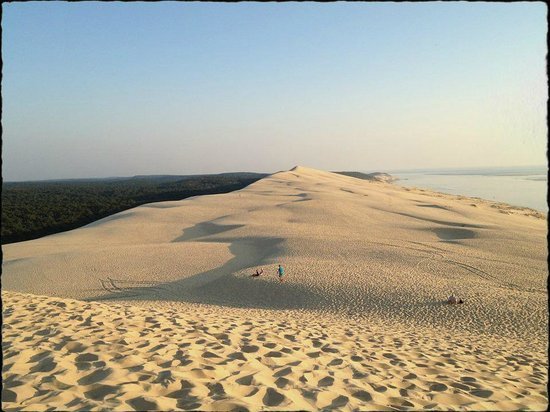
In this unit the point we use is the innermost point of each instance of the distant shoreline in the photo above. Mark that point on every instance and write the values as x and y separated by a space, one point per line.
494 171
517 187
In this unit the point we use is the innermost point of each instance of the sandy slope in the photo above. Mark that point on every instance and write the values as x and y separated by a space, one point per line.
368 265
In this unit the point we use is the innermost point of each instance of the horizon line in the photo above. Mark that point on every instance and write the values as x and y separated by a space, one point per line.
380 170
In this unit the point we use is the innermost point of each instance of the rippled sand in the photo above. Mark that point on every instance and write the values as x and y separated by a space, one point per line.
168 317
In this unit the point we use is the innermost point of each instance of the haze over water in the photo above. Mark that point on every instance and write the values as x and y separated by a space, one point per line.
518 186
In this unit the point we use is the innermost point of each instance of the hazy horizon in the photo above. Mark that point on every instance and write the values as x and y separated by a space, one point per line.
380 170
95 90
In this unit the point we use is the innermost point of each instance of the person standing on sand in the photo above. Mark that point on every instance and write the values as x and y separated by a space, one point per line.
281 273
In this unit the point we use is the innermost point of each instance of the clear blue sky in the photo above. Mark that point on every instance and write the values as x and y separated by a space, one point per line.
118 89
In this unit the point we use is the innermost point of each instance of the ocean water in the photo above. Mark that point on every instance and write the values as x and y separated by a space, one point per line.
518 186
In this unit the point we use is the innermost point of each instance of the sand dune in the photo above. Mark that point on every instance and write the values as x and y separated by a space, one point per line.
119 357
359 322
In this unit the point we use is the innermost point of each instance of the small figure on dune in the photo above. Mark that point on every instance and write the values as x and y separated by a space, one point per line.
281 273
453 300
258 273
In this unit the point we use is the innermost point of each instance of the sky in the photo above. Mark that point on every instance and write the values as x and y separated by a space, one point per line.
120 89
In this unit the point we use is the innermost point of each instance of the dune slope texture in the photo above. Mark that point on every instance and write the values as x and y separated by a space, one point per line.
172 318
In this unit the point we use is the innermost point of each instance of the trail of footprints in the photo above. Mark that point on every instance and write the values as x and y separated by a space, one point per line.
74 355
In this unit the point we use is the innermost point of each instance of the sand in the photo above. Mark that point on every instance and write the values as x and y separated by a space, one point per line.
154 307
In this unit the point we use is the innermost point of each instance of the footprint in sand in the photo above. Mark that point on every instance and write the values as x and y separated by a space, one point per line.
482 393
282 382
9 354
282 372
12 382
183 392
379 388
460 386
99 392
179 394
48 332
328 349
95 377
326 381
39 356
164 378
362 396
185 362
236 356
402 406
58 346
83 366
245 380
249 348
272 398
209 355
144 377
253 392
45 365
467 379
217 391
438 387
339 402
189 404
142 403
358 375
273 354
8 396
157 348
86 357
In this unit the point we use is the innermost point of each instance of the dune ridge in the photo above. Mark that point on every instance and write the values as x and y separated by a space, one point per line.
368 267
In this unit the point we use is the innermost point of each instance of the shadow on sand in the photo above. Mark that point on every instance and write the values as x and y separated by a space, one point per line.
220 286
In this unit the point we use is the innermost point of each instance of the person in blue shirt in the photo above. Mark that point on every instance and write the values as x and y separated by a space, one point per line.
281 273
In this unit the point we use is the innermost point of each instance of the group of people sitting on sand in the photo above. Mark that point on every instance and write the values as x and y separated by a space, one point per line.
280 272
454 301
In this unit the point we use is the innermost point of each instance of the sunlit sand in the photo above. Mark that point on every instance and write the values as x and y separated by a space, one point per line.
155 307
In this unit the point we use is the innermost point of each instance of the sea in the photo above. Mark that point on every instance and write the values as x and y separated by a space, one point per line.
517 186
